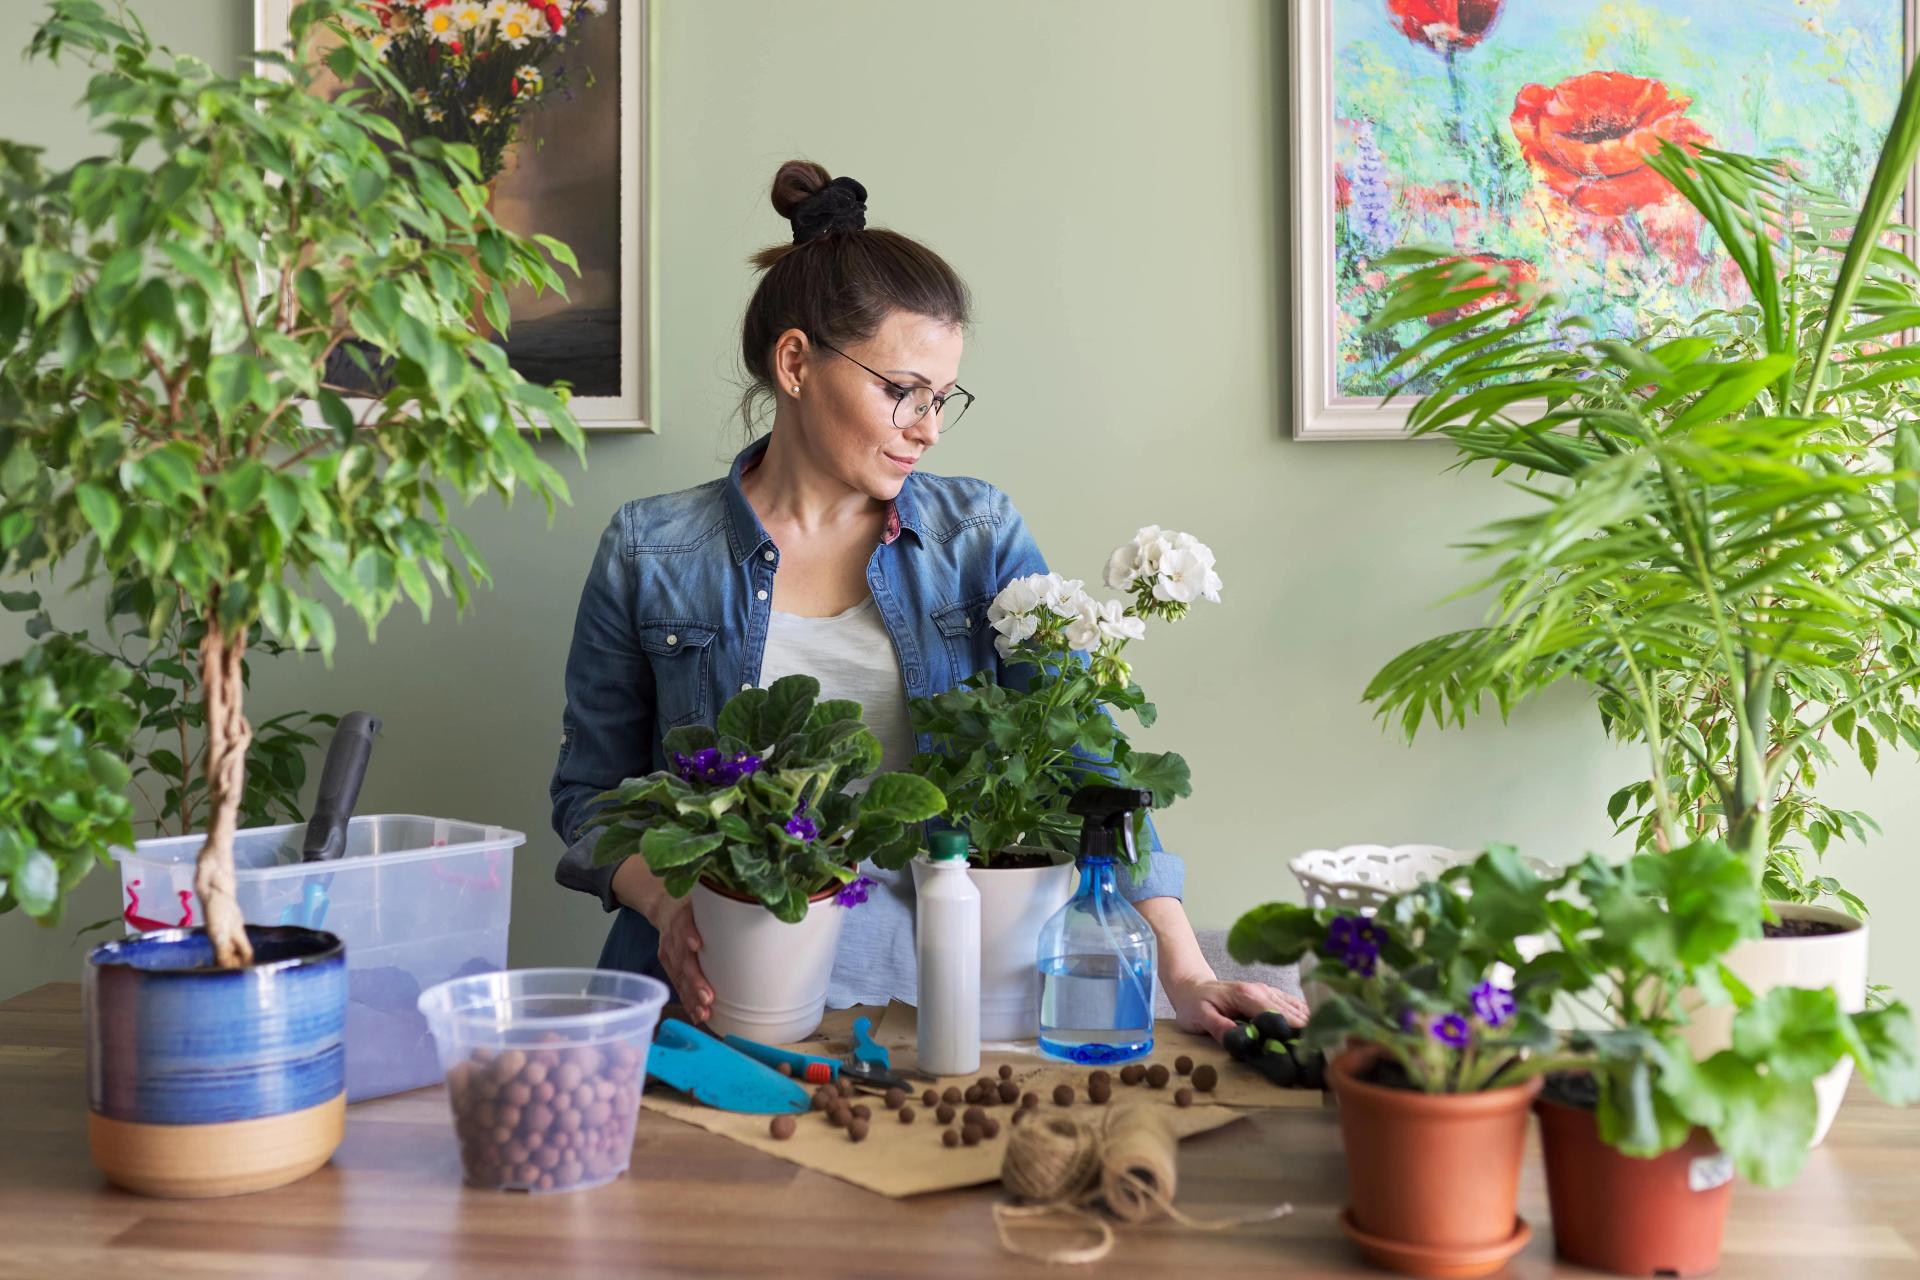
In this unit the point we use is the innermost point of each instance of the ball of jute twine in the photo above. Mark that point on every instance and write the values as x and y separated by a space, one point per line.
1128 1164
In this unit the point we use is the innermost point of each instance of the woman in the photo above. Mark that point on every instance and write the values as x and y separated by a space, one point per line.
825 551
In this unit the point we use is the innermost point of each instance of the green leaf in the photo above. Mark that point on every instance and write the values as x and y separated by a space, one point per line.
667 846
36 886
283 503
901 797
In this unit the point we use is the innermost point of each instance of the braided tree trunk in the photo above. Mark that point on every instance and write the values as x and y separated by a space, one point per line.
228 735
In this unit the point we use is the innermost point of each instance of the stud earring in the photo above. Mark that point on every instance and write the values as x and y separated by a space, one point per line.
796 388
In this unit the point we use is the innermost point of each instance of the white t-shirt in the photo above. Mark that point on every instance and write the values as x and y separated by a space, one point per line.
852 656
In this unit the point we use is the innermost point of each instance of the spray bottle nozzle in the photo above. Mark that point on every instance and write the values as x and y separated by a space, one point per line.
1106 829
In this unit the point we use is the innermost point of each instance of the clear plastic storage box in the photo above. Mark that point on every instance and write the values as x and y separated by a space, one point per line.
417 901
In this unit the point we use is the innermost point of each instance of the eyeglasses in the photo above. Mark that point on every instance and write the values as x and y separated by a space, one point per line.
910 404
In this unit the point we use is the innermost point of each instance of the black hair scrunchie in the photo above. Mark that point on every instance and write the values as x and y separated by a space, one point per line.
841 205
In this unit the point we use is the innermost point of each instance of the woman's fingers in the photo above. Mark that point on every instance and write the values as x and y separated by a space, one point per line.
1213 1022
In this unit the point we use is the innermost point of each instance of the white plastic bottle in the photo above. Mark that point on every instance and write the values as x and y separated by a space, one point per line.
947 945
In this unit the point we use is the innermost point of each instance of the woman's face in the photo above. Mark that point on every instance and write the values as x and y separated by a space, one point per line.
846 414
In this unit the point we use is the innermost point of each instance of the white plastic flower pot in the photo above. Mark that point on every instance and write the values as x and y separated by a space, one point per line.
1014 903
1832 960
769 978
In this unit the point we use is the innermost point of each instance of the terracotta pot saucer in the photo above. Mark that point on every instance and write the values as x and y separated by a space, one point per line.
1431 1260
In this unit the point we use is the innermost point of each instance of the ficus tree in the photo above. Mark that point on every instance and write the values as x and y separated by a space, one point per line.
167 312
1718 535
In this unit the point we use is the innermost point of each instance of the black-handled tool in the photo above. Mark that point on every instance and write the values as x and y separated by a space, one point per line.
340 778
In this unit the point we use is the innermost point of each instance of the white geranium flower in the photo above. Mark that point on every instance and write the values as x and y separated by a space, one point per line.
1017 598
1195 561
1102 620
1182 578
1063 595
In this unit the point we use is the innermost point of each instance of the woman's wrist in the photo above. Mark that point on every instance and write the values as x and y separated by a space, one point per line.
636 886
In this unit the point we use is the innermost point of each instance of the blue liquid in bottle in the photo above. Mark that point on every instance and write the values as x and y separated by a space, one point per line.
1098 960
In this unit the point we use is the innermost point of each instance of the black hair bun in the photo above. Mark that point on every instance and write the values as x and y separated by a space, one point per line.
841 205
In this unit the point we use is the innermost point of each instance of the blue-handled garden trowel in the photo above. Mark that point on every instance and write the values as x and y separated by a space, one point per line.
708 1071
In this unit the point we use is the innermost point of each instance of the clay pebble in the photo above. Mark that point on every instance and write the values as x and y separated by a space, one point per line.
1006 1071
1205 1077
896 1098
945 1113
857 1130
782 1127
1183 1064
906 1115
1063 1095
1183 1097
949 1139
1157 1076
1009 1092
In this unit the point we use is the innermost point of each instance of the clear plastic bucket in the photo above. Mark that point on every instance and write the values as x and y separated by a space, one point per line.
544 1069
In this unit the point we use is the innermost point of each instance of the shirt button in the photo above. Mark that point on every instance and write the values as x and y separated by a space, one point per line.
673 639
745 687
767 556
760 595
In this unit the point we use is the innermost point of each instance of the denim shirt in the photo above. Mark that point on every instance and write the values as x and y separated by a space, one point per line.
673 622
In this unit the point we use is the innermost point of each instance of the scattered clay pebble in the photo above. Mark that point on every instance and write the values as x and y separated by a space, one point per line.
1132 1074
949 1139
785 1068
1099 1076
819 1102
970 1134
1030 1100
1205 1077
857 1130
782 1127
931 1097
1019 1114
952 1095
973 1115
1006 1071
846 1088
1063 1095
1183 1097
972 1094
1100 1088
985 1082
906 1115
1157 1076
863 1112
991 1128
1009 1091
1183 1064
945 1113
838 1117
896 1098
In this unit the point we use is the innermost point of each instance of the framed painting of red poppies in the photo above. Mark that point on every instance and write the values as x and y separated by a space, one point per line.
1515 132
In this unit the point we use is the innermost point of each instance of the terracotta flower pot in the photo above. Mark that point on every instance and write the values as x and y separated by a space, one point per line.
1433 1179
1632 1216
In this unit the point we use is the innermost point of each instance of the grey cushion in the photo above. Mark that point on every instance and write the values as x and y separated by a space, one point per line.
1213 945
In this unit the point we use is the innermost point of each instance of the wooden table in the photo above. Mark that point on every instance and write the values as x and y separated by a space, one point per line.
391 1203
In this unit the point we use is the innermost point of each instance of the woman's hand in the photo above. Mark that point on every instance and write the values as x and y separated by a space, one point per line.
680 957
636 886
1211 1006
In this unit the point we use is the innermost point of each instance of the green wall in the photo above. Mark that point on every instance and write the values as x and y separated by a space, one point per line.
1110 177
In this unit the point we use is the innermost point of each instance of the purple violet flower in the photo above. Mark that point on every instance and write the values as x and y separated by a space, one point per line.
1452 1030
1493 1005
710 766
802 828
854 892
1355 943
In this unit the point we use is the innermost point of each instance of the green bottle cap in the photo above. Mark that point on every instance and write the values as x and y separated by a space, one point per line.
945 846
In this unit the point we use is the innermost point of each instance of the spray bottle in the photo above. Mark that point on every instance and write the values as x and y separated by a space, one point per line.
1098 957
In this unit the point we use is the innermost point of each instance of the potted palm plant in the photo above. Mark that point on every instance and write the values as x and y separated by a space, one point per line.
1643 1142
1720 542
166 310
761 819
1009 757
1434 1062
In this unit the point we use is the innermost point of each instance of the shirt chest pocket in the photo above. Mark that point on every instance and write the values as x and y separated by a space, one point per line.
681 655
965 635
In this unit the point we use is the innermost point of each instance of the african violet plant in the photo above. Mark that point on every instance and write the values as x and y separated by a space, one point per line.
1418 978
761 805
1009 756
1631 945
65 721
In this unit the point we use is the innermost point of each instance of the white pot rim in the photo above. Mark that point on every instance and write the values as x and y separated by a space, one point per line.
1849 925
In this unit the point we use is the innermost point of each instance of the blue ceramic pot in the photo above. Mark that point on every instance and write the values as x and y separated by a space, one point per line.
196 1074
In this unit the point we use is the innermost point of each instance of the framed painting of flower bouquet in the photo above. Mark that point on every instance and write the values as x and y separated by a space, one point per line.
1515 132
555 99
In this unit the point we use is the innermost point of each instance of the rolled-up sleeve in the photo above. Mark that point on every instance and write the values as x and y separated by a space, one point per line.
606 732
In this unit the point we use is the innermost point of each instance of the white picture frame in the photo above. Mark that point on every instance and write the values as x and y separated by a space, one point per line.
1319 412
635 408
